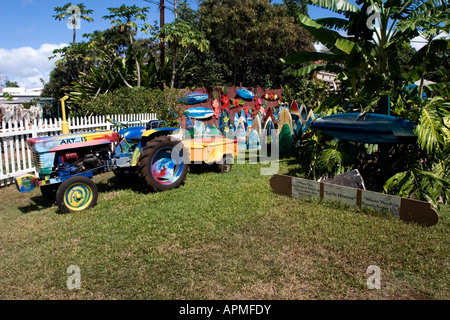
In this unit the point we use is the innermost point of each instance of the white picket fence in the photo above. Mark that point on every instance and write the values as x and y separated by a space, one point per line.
16 158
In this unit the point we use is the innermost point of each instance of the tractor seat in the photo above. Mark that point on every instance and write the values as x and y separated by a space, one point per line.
155 124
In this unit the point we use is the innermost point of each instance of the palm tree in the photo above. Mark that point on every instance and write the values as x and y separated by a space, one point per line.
125 18
75 13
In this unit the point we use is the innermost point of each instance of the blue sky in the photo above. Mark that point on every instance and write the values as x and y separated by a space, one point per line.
29 33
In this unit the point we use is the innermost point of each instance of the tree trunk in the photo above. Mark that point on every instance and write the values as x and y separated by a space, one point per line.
138 67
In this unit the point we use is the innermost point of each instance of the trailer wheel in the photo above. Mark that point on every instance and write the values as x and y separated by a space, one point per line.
161 166
225 164
76 194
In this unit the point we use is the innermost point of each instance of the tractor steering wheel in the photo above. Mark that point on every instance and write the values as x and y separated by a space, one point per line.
116 124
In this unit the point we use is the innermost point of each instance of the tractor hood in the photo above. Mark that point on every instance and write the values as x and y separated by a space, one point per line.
72 141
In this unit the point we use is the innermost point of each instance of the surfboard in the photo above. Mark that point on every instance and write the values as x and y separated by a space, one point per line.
236 120
285 118
269 130
245 94
208 129
297 127
214 131
199 113
285 139
224 122
303 114
243 118
249 119
293 109
269 114
193 98
241 137
254 142
189 127
198 128
256 124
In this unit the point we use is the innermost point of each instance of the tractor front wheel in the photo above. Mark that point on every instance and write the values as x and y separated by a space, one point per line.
161 166
76 194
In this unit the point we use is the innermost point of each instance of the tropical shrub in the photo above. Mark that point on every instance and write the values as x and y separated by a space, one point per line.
135 100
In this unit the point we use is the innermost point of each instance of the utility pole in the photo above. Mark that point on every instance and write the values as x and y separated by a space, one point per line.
175 9
162 44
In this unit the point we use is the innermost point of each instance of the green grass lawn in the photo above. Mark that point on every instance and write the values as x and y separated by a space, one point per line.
217 237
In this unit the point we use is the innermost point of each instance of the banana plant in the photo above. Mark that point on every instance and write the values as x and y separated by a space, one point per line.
364 53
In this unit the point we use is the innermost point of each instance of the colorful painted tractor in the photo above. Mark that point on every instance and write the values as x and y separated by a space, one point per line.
154 153
66 164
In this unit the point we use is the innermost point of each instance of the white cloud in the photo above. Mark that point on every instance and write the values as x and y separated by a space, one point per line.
27 65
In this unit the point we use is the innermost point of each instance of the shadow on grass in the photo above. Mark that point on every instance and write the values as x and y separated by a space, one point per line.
39 203
115 184
202 168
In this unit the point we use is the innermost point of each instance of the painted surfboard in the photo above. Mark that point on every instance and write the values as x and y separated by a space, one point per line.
214 131
303 113
241 137
202 128
256 124
293 109
193 98
243 118
236 120
208 129
189 127
254 142
269 132
245 94
199 113
285 139
297 127
198 128
224 122
285 118
269 114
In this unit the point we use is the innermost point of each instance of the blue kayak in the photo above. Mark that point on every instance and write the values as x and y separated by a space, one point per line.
366 128
245 94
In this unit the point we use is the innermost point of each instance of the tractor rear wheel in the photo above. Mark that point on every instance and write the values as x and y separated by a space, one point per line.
161 166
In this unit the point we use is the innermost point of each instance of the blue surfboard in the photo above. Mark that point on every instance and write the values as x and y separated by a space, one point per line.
241 137
254 142
190 127
199 113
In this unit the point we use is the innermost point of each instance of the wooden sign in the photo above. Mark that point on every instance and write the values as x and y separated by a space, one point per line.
407 210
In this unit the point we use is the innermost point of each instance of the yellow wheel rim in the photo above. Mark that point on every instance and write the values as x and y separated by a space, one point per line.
78 197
